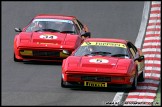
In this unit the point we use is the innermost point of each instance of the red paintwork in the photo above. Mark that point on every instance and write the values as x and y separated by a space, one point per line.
55 16
31 40
74 67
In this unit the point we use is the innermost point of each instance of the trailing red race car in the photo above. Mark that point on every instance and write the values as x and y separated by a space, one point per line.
47 35
100 62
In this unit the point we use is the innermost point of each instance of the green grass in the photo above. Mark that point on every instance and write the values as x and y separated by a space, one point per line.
157 101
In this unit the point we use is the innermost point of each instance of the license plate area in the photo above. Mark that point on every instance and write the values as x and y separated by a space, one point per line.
95 84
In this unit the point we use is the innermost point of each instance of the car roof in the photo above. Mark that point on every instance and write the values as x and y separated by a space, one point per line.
106 40
55 16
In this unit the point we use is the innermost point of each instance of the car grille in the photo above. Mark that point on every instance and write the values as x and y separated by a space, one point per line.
46 53
96 78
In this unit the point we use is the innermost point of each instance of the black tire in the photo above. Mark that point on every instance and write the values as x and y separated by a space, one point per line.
63 84
16 60
141 77
134 85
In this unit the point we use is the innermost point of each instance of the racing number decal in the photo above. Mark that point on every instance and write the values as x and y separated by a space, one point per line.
47 36
99 60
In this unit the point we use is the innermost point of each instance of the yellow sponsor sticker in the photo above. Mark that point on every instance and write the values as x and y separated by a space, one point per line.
104 44
26 52
95 84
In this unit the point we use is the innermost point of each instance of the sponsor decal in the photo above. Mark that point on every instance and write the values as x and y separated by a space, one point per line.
99 60
95 84
104 44
48 36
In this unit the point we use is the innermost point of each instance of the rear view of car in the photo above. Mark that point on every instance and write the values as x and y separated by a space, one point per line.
46 36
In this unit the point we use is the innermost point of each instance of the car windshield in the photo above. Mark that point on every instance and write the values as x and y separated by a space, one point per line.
52 25
102 49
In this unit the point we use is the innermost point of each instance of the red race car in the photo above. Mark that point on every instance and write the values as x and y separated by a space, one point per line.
100 62
47 35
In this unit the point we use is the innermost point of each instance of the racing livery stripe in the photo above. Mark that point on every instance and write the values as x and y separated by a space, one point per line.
146 91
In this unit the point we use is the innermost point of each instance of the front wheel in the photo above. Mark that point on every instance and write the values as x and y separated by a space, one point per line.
15 59
63 84
141 78
134 85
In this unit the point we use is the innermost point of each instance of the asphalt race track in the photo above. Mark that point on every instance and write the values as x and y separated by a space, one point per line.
39 83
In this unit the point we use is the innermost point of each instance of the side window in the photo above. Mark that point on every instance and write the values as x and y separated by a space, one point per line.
80 24
132 49
76 23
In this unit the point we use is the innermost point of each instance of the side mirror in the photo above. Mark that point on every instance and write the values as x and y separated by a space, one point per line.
86 34
140 58
66 52
18 30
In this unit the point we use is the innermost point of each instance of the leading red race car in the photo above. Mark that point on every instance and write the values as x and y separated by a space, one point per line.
47 35
102 62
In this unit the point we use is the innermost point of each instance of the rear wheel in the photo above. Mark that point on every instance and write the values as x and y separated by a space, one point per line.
134 85
63 83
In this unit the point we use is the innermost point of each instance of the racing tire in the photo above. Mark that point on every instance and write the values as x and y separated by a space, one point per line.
134 85
16 60
63 84
141 77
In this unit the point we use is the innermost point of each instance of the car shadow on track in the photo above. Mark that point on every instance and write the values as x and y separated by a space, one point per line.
42 63
110 89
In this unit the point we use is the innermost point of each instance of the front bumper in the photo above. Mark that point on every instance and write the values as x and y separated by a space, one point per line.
102 80
40 54
81 85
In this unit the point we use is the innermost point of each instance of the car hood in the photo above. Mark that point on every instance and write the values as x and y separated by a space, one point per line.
46 37
98 64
